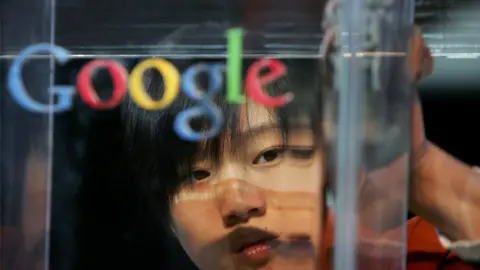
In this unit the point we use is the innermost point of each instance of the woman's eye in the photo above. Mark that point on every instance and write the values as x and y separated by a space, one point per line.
200 175
302 153
268 156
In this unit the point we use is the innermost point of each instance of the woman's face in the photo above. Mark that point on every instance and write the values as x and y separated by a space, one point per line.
261 207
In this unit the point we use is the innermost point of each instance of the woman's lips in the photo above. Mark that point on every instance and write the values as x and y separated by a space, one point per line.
244 237
252 245
296 249
258 253
257 247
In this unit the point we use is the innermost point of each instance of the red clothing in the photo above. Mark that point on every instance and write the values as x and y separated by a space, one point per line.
424 251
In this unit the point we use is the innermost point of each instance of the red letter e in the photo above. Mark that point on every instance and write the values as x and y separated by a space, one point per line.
255 83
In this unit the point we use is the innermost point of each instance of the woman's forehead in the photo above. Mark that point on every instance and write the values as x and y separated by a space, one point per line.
251 120
254 116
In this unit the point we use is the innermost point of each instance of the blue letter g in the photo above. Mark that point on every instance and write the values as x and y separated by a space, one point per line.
17 88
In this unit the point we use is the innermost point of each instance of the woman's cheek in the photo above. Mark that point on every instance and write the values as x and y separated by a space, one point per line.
196 219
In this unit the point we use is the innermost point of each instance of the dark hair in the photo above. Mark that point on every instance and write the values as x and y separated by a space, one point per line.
158 156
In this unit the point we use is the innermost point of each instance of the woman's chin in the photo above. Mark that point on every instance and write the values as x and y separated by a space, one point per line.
280 263
277 254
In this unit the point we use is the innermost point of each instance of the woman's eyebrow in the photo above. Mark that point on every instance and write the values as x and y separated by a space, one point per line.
269 127
260 129
245 136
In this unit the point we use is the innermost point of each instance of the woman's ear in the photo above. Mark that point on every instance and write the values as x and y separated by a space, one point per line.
420 58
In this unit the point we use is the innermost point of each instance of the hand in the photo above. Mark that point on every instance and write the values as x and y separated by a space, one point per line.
438 188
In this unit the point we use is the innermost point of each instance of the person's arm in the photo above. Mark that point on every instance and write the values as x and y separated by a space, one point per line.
447 194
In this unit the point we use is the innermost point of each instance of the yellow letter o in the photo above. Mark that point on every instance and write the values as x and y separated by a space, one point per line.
171 78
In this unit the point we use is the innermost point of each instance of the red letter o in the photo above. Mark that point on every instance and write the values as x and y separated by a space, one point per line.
89 95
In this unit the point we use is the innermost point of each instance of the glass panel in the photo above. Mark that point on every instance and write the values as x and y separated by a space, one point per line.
368 53
25 137
204 134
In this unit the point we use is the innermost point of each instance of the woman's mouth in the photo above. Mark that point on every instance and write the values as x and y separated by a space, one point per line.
296 248
257 247
252 245
259 252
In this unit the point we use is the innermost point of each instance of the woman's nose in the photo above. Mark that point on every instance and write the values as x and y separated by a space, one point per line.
239 202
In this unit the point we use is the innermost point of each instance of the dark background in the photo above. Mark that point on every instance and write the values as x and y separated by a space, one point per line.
451 119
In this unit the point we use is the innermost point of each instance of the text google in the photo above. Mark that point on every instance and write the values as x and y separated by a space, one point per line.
254 83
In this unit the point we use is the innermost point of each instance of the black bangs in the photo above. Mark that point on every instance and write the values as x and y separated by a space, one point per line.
157 151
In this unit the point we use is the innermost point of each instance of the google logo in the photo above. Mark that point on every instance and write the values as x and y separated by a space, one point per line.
173 83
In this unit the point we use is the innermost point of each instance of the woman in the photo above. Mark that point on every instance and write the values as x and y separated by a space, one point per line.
248 199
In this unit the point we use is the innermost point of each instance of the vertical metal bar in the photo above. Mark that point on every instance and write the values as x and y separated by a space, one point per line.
50 141
350 81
